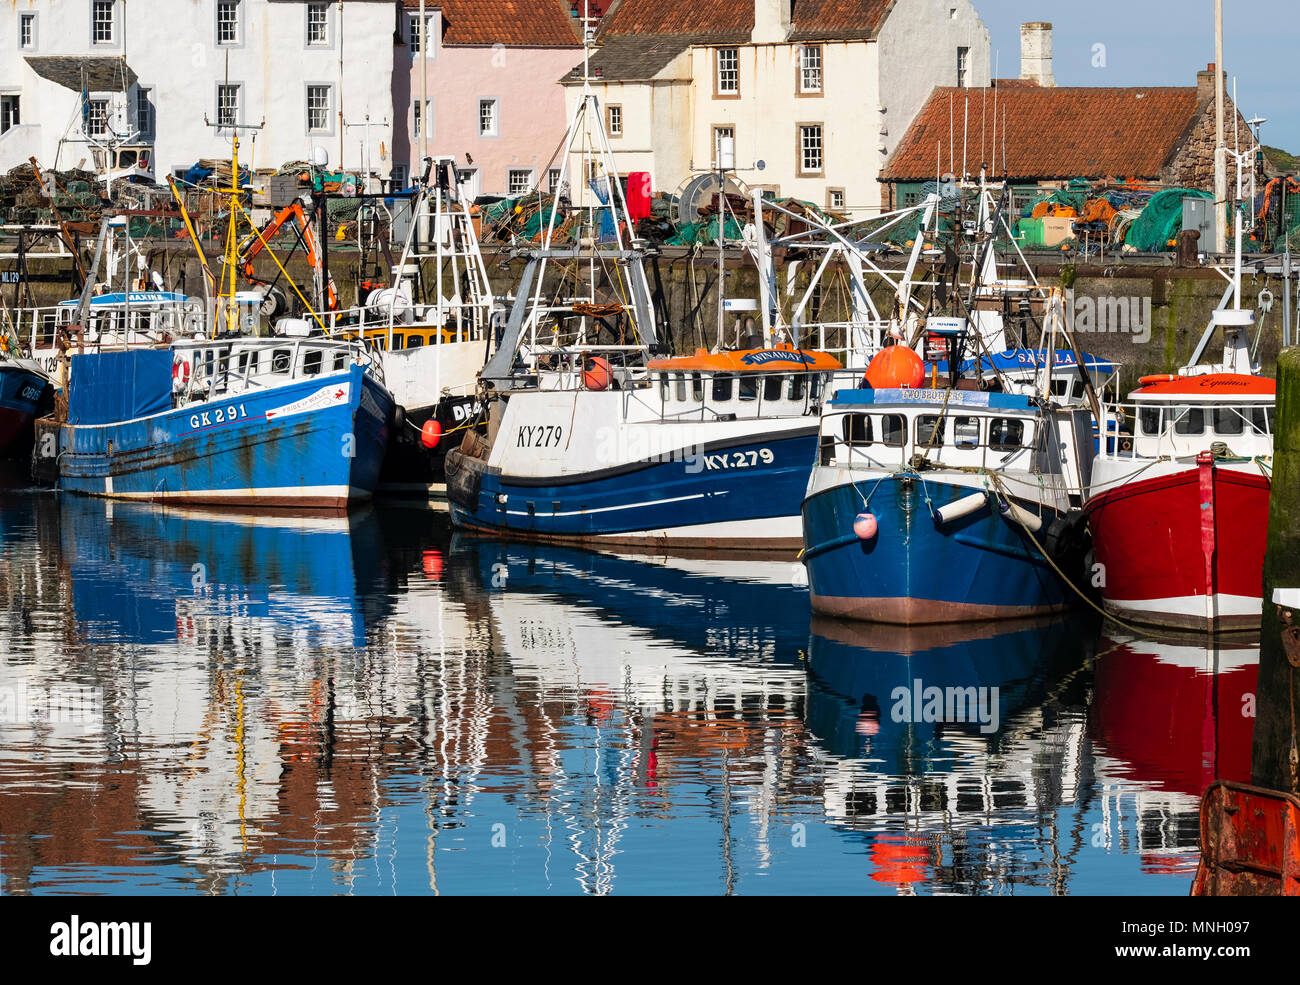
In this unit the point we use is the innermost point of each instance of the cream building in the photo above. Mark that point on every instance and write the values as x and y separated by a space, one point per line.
813 97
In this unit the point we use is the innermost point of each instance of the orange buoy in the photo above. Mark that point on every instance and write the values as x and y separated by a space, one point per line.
895 368
431 434
597 374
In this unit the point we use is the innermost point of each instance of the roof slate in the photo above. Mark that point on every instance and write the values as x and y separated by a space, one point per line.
98 73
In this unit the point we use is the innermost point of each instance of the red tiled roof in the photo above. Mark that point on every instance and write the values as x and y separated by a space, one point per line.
832 20
514 23
675 17
730 19
1072 132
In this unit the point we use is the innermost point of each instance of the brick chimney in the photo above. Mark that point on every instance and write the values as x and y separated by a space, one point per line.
1036 53
1205 84
771 20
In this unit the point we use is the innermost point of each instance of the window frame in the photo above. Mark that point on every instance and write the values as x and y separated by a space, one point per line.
93 100
328 88
801 72
326 7
217 23
612 110
963 66
512 173
800 169
830 202
95 7
146 93
496 117
718 91
238 89
715 147
26 20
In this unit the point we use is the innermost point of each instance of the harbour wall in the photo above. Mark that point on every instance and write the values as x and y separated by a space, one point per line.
1147 318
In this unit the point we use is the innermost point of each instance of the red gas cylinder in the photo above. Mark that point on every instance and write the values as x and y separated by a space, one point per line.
597 374
431 434
895 368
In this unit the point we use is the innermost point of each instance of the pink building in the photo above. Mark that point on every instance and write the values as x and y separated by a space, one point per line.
495 103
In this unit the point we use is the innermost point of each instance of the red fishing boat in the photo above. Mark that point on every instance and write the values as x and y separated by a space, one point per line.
1178 504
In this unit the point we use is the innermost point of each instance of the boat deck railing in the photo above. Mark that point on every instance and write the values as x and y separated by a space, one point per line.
1183 430
228 366
960 437
459 322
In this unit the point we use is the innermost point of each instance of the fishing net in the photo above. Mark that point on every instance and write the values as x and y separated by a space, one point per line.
1161 220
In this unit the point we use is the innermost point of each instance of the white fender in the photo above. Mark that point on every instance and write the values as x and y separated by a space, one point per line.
959 508
1021 516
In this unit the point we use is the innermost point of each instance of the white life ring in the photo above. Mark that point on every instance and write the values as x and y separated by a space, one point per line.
180 372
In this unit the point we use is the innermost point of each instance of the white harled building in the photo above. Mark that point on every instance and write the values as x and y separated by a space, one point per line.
153 73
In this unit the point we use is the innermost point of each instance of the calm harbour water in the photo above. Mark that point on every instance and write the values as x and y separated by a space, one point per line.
203 702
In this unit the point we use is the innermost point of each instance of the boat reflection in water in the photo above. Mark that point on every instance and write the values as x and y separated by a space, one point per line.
205 702
958 750
1171 717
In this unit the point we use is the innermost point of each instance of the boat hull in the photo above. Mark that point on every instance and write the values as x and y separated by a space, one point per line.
727 494
22 392
914 571
314 444
1150 540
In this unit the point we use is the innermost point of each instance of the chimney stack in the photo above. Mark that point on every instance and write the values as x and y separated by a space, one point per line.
771 21
1205 84
1036 53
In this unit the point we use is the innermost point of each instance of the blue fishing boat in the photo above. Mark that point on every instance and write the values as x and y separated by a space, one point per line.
940 506
24 390
269 421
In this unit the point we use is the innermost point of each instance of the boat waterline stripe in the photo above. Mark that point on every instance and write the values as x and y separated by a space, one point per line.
611 509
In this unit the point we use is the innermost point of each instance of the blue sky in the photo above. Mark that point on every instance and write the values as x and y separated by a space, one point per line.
1149 42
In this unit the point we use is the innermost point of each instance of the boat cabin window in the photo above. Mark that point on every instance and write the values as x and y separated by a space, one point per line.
796 387
680 380
697 388
1006 434
748 388
929 430
893 430
966 432
1189 420
280 361
414 341
1261 419
1149 420
856 429
772 387
247 363
312 362
399 340
340 361
722 387
1228 421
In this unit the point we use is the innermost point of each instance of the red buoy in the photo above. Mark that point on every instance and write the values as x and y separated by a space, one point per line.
430 434
597 374
896 368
